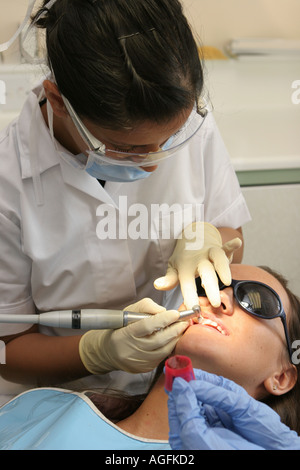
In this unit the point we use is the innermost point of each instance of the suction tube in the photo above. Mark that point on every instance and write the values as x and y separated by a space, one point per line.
178 366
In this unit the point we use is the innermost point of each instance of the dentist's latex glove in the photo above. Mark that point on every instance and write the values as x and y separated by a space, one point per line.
138 347
203 256
213 413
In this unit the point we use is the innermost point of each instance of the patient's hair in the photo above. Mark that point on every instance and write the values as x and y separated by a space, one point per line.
288 405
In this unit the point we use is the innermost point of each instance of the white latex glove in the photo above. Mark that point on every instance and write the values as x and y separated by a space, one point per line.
207 256
138 347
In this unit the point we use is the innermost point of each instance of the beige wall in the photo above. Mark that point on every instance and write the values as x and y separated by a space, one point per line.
12 13
215 21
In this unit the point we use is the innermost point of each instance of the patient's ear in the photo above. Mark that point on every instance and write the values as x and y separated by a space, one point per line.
281 382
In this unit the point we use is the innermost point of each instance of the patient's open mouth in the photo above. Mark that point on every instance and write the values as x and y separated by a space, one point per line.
209 323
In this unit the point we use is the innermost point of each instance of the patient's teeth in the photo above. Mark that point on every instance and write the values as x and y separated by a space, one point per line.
220 330
206 321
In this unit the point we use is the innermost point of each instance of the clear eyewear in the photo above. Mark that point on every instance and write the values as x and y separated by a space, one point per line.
257 299
99 152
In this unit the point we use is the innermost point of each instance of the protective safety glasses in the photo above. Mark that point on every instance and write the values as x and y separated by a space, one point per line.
258 300
100 153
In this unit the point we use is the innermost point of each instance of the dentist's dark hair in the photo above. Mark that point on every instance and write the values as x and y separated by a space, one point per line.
120 62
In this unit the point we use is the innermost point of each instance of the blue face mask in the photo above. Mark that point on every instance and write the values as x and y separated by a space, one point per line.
116 173
119 173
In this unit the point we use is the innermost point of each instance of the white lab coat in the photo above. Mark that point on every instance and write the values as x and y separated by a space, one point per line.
51 255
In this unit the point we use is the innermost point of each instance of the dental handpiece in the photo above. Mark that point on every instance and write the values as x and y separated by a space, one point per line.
85 319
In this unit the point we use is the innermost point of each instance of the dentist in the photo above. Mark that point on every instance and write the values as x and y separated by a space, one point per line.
119 116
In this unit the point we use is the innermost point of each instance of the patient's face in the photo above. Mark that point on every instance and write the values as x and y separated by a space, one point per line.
247 349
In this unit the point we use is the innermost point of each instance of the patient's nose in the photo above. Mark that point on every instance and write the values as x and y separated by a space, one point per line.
227 301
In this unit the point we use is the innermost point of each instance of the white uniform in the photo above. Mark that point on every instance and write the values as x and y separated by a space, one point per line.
52 257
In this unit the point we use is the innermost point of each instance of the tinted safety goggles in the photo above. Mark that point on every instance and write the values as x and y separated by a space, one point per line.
258 300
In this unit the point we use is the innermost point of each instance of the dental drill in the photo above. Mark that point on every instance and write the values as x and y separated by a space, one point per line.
98 319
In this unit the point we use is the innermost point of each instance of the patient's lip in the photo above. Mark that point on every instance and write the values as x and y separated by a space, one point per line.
213 322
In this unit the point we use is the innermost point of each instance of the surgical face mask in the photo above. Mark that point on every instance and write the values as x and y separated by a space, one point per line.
95 168
120 174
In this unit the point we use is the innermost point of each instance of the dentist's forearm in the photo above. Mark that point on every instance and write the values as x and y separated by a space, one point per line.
41 360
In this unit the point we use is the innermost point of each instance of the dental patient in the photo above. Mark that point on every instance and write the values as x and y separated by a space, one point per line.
253 352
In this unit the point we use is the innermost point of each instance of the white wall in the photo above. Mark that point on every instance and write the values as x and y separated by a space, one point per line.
272 237
214 21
